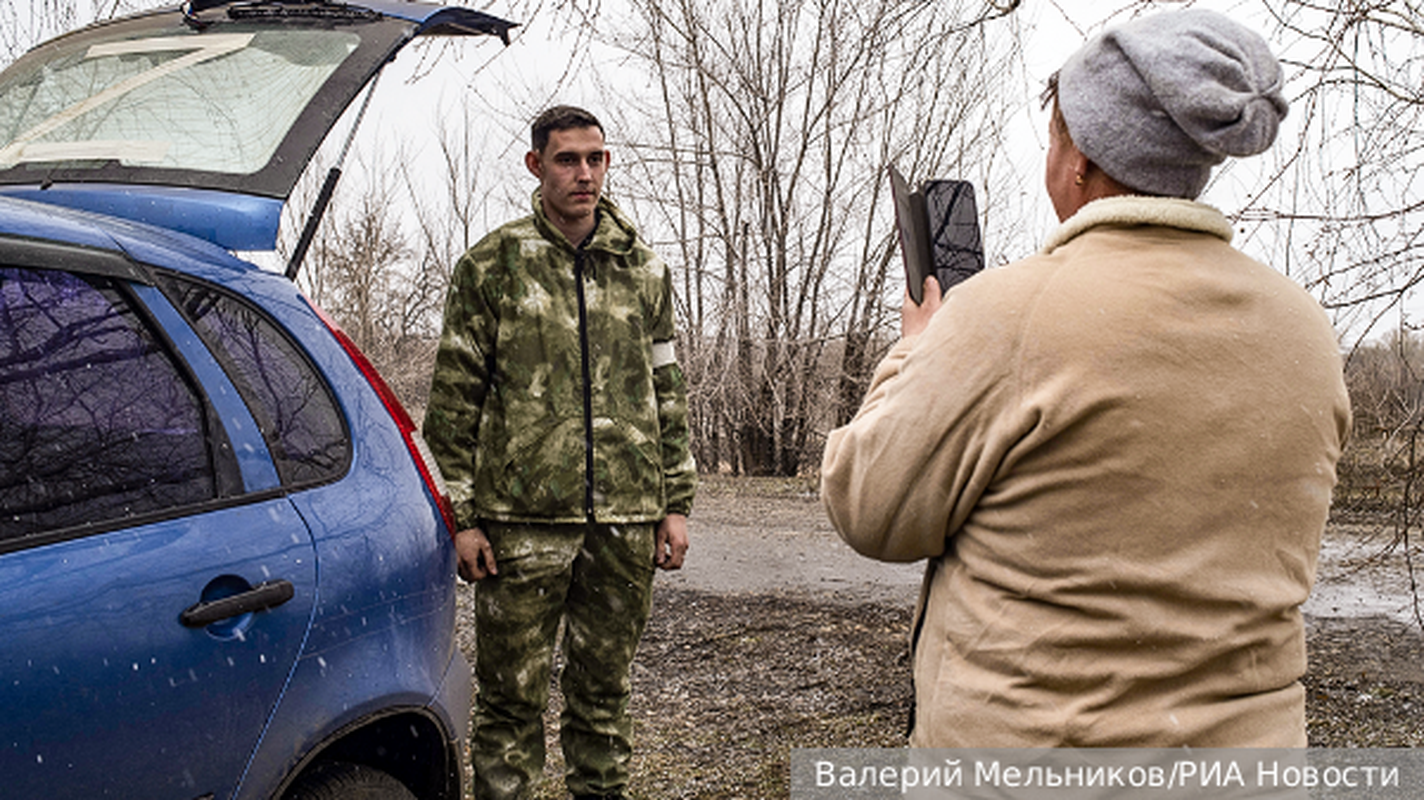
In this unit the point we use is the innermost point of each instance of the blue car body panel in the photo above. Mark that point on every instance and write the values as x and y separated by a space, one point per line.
107 693
380 636
227 219
385 561
35 221
369 555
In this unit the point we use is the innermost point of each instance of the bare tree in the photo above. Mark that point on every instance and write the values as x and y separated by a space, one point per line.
1381 484
447 220
1342 211
382 288
26 23
761 162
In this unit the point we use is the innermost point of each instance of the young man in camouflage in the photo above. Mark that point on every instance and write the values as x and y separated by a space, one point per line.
559 418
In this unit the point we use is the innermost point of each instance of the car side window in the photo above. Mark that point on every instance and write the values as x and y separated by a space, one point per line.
300 420
97 421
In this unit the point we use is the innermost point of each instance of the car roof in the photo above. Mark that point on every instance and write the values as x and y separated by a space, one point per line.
41 236
200 118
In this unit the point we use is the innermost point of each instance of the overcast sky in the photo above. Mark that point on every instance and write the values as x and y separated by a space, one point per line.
551 59
548 56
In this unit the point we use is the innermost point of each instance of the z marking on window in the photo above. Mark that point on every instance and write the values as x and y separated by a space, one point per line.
205 48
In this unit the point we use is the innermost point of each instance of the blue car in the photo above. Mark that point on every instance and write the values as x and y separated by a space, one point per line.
225 557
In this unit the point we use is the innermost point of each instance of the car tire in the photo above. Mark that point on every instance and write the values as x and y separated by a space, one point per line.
340 780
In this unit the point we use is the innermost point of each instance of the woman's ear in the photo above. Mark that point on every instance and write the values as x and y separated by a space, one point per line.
1083 167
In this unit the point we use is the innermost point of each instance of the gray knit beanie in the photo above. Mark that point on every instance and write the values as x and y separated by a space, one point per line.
1158 102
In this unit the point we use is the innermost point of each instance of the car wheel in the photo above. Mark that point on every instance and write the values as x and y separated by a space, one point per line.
339 780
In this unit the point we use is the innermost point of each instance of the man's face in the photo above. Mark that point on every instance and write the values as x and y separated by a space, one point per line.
570 172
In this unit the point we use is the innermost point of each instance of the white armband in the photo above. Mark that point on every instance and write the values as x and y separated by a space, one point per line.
663 354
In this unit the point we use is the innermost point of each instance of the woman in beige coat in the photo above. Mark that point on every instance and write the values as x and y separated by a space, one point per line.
1118 454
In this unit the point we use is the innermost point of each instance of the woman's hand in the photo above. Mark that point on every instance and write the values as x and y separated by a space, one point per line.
915 317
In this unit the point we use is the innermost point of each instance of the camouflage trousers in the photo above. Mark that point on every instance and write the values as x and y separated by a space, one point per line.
598 579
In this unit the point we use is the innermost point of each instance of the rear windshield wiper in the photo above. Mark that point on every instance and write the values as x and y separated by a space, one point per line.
324 11
279 9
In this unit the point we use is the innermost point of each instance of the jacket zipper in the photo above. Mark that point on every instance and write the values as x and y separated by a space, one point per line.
579 260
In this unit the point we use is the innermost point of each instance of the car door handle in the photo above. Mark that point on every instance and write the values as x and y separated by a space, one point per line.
261 597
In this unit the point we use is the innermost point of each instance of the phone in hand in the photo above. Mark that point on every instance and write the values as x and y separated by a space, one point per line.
939 232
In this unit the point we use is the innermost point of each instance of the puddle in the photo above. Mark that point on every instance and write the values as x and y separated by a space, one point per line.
1361 576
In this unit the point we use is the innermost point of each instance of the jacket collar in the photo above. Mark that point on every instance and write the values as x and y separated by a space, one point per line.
614 232
1174 212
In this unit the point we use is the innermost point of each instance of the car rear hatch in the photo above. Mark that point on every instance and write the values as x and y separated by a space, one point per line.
200 118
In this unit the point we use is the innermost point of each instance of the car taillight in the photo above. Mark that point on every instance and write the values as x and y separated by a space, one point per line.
414 442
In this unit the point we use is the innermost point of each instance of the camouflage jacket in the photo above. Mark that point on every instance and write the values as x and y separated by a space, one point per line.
555 365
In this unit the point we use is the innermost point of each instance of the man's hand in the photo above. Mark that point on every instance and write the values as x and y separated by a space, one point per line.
475 554
671 542
914 318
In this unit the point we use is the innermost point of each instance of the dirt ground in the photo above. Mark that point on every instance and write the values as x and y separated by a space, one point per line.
776 636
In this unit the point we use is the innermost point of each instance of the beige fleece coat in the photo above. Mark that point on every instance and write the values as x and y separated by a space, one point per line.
1118 456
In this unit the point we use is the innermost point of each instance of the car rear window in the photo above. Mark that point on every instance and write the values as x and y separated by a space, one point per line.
295 409
212 102
97 421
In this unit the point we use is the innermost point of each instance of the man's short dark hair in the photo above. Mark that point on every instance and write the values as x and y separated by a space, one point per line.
560 118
